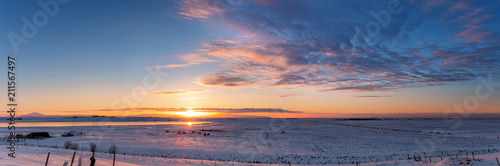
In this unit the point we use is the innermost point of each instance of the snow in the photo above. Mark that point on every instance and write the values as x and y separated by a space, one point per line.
273 141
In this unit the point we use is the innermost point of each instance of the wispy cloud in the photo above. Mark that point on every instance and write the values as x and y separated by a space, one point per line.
183 98
173 65
199 9
214 110
286 95
371 96
173 92
323 44
190 59
224 80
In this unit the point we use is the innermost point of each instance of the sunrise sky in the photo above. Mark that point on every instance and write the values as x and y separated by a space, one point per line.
238 58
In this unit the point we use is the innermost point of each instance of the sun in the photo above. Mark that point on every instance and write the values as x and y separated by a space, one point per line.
190 113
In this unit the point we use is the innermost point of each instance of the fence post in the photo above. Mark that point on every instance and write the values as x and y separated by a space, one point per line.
47 161
73 158
80 161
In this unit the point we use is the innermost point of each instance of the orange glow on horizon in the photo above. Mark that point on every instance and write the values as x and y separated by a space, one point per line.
190 113
193 114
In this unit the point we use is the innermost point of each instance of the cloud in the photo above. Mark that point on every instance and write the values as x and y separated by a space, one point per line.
326 45
173 92
224 80
372 96
172 65
286 95
359 88
191 59
199 9
213 110
183 98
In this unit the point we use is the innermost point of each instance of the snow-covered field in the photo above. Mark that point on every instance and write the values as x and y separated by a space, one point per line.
271 141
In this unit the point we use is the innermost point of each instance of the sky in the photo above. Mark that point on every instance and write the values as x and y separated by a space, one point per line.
255 58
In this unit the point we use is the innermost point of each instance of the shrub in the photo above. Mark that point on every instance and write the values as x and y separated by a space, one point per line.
113 149
67 144
92 146
74 146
